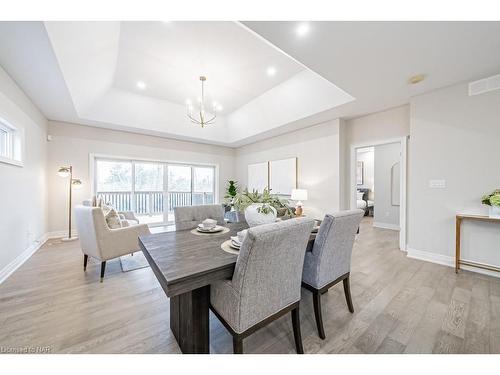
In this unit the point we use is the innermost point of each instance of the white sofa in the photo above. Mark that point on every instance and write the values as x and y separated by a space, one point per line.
99 241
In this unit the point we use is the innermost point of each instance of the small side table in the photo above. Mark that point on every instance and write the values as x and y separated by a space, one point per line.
458 261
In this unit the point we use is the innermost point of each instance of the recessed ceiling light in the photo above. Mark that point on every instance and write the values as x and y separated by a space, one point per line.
141 85
416 79
219 107
302 29
271 71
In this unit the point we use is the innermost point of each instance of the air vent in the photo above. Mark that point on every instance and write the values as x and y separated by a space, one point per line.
484 85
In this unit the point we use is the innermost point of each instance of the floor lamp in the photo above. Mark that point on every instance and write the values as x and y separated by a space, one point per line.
73 183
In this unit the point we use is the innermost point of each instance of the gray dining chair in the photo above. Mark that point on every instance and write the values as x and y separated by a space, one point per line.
266 280
189 217
329 262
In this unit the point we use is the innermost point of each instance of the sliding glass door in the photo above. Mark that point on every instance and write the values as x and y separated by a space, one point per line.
153 189
148 192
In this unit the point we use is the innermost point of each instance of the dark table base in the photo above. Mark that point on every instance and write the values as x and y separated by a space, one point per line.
189 320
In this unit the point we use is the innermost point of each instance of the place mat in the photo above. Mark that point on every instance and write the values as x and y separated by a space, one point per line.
228 249
133 262
225 230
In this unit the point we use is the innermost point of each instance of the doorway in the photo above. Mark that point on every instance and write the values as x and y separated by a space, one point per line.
378 183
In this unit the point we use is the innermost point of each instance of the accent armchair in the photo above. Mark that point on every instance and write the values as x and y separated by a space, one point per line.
189 217
266 280
330 259
127 218
102 243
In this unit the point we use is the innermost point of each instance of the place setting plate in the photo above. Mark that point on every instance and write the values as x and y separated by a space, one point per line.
231 246
218 229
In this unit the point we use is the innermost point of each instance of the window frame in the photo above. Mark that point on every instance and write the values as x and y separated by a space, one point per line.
94 158
14 144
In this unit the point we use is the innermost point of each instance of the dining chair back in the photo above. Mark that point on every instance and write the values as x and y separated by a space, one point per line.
266 280
189 217
330 259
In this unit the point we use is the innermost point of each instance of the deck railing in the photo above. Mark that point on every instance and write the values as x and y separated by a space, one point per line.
152 202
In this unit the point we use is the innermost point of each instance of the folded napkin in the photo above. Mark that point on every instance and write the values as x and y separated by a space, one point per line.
209 223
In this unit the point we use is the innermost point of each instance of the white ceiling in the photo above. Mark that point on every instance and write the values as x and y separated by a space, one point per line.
373 61
86 72
170 57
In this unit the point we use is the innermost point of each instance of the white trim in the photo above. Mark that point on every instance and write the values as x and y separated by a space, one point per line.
386 226
60 234
15 162
402 201
10 268
403 141
15 144
445 260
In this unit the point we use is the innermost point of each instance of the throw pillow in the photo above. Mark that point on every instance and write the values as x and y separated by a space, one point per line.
113 219
111 216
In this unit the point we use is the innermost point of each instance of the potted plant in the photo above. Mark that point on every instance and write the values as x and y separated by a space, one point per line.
231 192
260 208
493 201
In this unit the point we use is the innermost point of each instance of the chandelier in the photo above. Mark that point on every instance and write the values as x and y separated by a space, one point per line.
199 116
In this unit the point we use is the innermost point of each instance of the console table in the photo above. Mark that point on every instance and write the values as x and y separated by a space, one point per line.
458 262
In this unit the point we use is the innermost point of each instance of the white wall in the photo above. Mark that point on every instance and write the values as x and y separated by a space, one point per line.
72 144
385 214
456 138
317 150
370 129
23 204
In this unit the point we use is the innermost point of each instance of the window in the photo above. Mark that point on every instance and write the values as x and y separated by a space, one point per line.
10 144
4 142
114 176
153 189
179 178
203 185
148 177
114 183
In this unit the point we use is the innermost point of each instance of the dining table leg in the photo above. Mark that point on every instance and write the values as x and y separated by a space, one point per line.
189 320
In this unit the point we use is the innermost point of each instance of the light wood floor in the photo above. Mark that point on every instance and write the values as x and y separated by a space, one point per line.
401 306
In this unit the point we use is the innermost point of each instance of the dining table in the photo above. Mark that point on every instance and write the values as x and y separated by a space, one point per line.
185 265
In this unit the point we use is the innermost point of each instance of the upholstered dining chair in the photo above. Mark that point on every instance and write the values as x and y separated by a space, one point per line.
266 280
329 262
189 217
102 243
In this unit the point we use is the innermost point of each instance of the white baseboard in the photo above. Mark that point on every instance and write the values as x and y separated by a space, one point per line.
61 234
385 226
21 258
445 260
26 254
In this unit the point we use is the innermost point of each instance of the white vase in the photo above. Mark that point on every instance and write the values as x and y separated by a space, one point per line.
495 212
254 218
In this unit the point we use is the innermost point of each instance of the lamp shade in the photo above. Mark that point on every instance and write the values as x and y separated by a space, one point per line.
63 171
299 195
76 183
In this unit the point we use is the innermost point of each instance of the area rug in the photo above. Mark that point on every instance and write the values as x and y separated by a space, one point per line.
133 262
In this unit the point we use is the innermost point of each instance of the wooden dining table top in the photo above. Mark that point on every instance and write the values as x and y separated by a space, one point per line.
183 261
